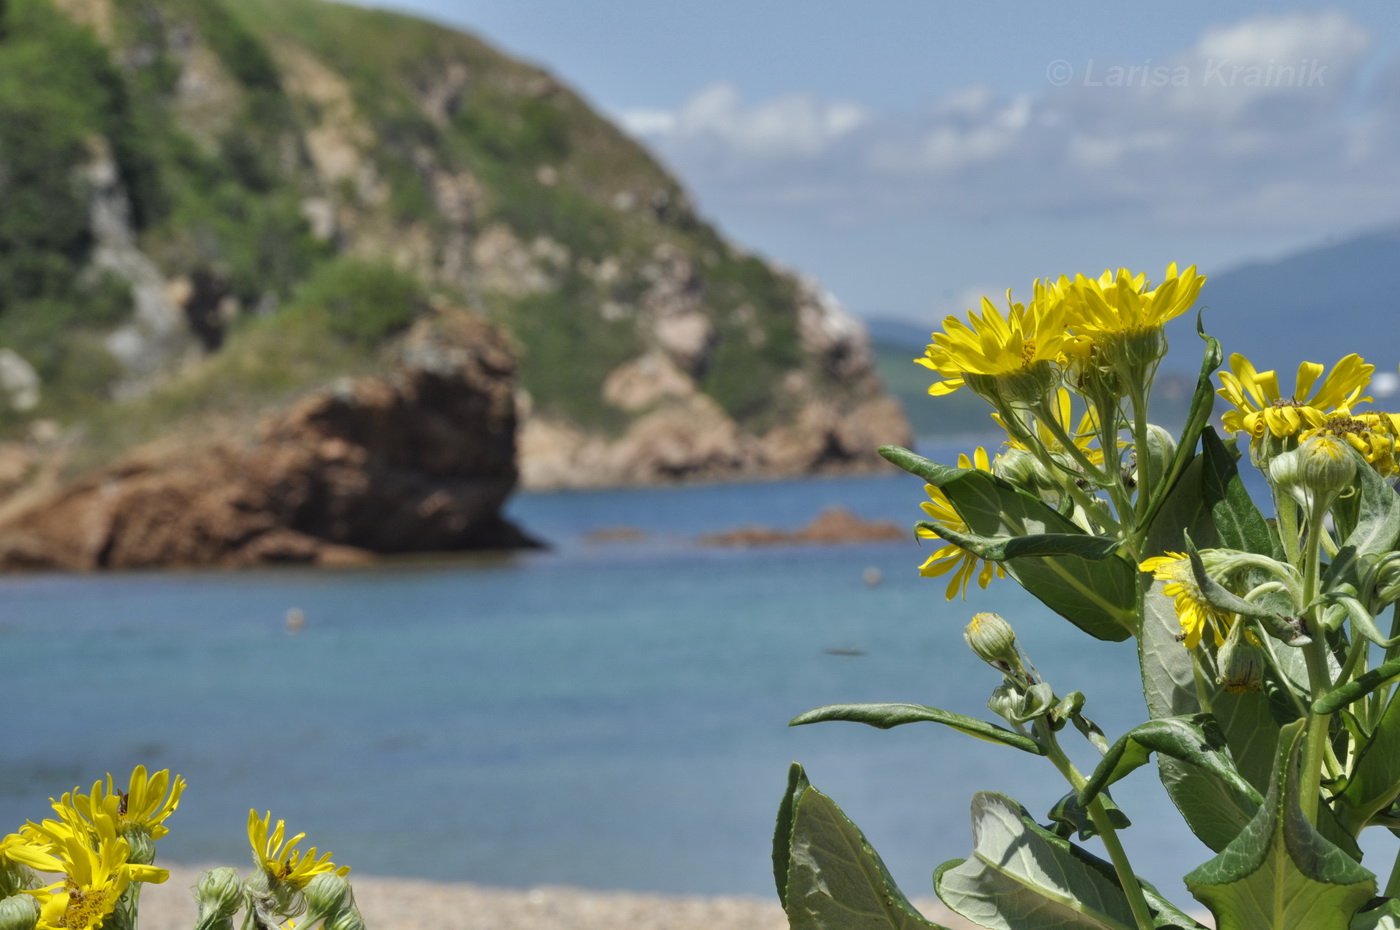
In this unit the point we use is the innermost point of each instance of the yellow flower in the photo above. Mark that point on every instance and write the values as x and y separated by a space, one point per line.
146 803
1018 349
949 557
95 875
1262 411
1120 302
284 862
1193 611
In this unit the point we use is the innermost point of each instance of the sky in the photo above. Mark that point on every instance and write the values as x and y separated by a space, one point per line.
915 154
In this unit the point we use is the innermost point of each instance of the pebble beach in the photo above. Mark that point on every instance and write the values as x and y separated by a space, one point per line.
408 904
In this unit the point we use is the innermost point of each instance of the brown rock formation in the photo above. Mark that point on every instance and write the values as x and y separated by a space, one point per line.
832 526
419 461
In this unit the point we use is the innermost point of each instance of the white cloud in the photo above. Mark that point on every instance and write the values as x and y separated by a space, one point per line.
1257 125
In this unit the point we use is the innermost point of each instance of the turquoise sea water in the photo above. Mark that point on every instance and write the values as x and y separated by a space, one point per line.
606 715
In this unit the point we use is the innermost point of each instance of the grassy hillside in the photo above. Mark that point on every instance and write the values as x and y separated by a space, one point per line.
295 179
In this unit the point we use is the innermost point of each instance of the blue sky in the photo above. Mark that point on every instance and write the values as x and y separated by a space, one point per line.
912 155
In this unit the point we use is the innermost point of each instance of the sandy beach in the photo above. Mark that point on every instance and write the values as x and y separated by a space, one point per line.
406 904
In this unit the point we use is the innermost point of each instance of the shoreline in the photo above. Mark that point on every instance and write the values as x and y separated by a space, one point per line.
416 904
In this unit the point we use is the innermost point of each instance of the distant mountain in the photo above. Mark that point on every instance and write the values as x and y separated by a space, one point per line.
1316 305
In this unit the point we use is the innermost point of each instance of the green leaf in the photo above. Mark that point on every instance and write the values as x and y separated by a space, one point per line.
1202 402
1021 875
1069 816
1238 522
1197 740
1375 777
1002 548
885 716
829 877
1378 523
782 834
1357 688
1280 873
1096 596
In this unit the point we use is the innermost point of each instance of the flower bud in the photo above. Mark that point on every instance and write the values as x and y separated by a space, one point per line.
1023 469
1161 447
328 895
993 641
219 894
1327 463
1241 663
19 912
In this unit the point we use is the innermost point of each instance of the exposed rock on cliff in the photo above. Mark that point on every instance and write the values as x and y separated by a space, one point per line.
419 461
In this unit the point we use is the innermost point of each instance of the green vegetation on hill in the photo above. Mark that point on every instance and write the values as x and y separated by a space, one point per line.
219 118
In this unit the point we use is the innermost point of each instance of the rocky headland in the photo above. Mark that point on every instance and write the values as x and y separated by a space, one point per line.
419 460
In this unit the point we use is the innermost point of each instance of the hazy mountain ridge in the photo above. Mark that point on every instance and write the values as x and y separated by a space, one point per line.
258 197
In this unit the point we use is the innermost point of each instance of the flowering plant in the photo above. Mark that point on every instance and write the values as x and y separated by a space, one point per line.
1270 685
101 848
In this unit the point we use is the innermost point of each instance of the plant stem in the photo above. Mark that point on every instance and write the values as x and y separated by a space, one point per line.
1132 888
1319 679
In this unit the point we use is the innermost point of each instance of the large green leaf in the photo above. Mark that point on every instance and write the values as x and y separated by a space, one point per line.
1280 873
1375 777
1197 740
1021 875
885 716
1378 523
1237 520
1097 596
1002 548
828 876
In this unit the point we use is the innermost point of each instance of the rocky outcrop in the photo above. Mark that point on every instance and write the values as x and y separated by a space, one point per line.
833 526
421 460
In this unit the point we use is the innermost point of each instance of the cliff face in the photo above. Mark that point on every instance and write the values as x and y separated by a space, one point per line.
421 460
203 183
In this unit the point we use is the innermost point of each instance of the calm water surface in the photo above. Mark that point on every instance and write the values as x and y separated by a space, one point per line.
607 715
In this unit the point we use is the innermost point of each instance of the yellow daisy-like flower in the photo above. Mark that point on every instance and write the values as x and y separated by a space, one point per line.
1018 349
1261 409
1193 611
1119 302
146 803
283 861
95 875
949 557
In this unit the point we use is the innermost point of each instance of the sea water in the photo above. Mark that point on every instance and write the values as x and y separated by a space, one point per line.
604 714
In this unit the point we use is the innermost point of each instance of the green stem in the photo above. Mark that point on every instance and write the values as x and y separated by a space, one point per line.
1319 679
1392 886
1132 888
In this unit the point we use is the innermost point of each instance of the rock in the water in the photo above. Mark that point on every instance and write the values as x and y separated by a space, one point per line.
420 461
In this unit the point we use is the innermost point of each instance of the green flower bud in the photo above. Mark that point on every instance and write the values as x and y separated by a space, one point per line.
328 896
1240 662
19 912
993 641
1161 447
1006 702
1316 472
219 894
1024 470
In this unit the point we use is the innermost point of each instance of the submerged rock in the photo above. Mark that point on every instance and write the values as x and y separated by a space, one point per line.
421 460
